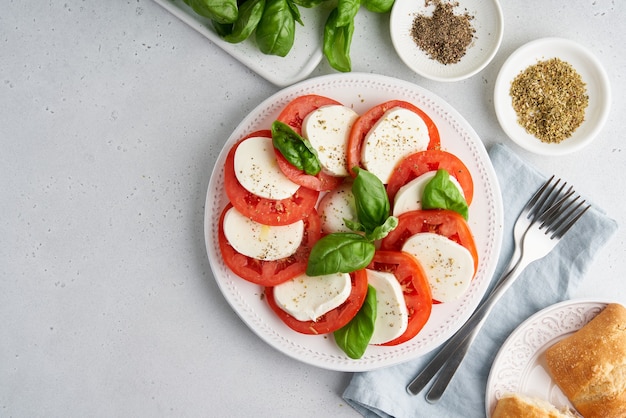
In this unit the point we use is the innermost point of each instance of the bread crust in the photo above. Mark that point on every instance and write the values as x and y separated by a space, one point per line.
521 406
590 365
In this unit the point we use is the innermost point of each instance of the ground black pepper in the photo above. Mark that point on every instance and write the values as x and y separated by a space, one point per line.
549 99
444 36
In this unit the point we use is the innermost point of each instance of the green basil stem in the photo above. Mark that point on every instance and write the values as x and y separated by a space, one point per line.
355 336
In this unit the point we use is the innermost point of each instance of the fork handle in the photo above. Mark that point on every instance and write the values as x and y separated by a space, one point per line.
453 351
449 368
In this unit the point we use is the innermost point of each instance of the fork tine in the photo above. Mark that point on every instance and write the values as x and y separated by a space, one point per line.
559 195
539 195
560 217
565 226
537 202
546 197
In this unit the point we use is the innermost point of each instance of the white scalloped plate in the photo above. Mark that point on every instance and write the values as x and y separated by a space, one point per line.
282 71
519 364
362 91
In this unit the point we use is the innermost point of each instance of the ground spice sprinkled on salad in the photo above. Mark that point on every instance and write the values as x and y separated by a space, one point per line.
549 99
444 36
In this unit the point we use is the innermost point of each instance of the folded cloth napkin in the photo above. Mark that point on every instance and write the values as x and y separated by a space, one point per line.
382 392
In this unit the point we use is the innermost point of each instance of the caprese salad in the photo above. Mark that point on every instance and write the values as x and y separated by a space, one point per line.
354 224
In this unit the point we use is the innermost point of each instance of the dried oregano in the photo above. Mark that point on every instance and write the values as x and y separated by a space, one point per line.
549 99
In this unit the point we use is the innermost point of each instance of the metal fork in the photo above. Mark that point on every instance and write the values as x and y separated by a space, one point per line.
549 214
543 198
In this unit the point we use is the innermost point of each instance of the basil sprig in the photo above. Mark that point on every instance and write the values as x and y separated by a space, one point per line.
337 41
354 337
296 149
339 29
372 207
441 193
345 252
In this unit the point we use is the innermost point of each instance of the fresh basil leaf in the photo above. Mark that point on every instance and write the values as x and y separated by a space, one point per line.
222 29
346 11
250 13
276 31
354 337
221 11
295 12
340 252
441 193
383 230
309 3
378 6
336 43
372 202
296 149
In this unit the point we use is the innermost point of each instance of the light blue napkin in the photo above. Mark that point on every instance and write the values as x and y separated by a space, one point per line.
382 393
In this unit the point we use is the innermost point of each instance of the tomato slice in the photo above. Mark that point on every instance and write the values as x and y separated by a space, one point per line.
320 182
367 121
440 221
271 273
295 111
332 320
262 210
293 115
415 288
422 162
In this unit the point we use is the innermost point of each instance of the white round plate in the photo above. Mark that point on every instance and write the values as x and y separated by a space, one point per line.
361 92
519 365
592 73
488 23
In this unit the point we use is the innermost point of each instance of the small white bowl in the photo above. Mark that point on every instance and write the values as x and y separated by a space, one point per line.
487 21
585 64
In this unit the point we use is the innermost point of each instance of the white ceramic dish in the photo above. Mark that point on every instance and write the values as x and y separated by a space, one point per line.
519 365
592 73
362 91
488 23
282 71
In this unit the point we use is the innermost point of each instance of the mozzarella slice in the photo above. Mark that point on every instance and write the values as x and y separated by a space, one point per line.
335 206
397 134
327 129
449 266
259 241
409 196
307 298
392 315
257 171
